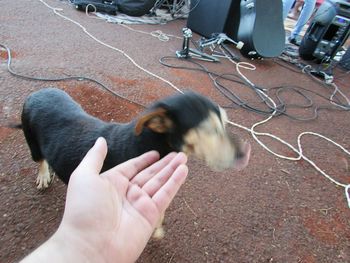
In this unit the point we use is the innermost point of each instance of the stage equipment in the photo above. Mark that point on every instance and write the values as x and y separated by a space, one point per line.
128 7
261 28
209 16
188 52
328 31
105 6
258 24
219 40
345 60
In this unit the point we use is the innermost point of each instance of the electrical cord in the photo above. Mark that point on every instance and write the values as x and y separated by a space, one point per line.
56 11
298 150
281 106
214 76
157 33
79 78
182 4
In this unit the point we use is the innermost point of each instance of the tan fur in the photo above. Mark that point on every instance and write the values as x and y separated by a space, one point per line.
210 142
155 120
159 232
44 177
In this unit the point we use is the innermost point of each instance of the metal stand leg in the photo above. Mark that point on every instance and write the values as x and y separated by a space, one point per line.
188 52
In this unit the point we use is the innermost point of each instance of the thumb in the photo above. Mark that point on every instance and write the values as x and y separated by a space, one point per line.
93 160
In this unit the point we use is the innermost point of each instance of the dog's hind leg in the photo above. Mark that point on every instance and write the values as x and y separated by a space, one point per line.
44 177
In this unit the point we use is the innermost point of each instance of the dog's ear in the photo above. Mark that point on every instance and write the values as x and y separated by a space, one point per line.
156 120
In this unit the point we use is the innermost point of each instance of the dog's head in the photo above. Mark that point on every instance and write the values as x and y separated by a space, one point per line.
196 126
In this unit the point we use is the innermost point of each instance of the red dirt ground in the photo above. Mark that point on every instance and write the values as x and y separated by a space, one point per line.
273 211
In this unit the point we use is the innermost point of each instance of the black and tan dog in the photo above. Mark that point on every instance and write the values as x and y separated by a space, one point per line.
59 133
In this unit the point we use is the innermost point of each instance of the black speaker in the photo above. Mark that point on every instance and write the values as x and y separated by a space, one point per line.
327 32
209 16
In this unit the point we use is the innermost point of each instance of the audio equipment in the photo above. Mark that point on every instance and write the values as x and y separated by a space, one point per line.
261 28
327 32
106 6
256 23
345 60
209 16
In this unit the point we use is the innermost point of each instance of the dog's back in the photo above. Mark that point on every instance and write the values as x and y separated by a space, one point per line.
53 123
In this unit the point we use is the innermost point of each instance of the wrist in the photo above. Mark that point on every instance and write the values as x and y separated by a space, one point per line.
63 246
73 247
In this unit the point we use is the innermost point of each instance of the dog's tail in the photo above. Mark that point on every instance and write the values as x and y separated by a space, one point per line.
15 126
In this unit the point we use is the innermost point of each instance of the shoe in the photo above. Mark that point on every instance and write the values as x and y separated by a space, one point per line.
294 41
293 16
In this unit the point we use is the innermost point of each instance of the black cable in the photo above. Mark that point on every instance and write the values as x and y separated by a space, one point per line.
280 109
79 78
230 95
225 91
237 100
309 101
309 72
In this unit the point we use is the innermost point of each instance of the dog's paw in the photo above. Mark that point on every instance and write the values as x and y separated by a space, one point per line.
158 233
43 180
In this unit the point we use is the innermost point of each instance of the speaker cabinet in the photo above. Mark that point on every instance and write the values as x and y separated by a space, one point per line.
345 60
327 32
209 16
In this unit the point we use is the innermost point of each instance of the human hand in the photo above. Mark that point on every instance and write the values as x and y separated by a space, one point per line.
110 217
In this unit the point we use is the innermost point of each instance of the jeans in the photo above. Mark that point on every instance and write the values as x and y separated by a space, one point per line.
305 14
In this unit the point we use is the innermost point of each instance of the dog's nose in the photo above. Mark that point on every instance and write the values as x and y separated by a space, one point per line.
242 156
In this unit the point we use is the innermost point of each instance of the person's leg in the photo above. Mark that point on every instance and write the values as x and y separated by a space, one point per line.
294 13
305 14
287 5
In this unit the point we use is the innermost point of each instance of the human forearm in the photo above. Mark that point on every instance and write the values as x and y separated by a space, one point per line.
62 247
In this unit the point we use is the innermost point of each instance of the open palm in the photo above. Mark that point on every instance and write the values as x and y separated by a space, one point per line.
114 213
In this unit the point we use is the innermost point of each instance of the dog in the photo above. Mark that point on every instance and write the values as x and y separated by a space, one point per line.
59 133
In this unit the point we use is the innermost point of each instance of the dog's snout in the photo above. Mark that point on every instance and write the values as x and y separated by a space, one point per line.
242 156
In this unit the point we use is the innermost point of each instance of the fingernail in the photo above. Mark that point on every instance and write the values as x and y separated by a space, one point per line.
99 140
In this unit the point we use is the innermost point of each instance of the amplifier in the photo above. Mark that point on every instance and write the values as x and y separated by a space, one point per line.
345 60
328 31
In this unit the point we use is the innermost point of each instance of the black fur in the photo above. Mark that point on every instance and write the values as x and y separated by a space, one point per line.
58 130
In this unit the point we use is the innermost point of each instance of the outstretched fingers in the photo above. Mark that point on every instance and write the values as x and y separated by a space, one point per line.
133 166
143 204
163 197
154 197
144 176
159 179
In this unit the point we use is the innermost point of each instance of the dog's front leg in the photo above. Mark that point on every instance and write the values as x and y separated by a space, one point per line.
44 177
159 231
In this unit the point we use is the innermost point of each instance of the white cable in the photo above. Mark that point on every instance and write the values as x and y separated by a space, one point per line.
87 13
347 194
337 90
298 151
56 11
157 33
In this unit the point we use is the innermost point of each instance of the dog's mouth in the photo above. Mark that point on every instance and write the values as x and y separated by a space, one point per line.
236 157
242 156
